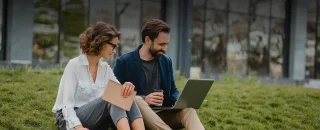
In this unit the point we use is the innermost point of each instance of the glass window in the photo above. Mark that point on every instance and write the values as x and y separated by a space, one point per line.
45 31
258 54
197 38
73 23
278 8
241 6
215 43
312 10
151 10
317 53
237 43
311 39
310 49
261 7
226 40
102 10
317 46
129 13
217 4
275 48
1 44
198 3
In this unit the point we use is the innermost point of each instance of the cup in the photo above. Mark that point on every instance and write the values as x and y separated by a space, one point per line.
158 91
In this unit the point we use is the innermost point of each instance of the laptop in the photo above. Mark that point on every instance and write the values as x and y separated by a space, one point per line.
192 96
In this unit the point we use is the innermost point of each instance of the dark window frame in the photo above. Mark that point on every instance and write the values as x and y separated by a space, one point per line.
4 27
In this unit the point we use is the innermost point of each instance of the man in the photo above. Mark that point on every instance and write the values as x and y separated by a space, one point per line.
148 68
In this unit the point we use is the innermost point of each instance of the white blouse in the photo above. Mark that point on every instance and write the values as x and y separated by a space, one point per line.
78 88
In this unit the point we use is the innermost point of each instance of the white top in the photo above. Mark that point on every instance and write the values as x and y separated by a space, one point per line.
78 88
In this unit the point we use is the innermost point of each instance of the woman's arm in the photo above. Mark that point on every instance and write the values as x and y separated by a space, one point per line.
69 84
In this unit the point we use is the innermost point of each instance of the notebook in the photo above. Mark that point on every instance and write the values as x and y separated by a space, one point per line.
112 94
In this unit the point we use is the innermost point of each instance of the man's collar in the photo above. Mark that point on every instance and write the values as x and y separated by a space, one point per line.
136 52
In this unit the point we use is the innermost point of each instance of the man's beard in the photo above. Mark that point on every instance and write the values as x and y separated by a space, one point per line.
154 52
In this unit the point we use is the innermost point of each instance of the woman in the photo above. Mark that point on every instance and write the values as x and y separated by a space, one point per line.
79 104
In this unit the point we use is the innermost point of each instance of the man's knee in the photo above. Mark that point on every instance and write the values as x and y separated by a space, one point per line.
189 112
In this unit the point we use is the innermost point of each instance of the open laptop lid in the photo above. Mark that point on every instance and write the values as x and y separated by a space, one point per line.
194 93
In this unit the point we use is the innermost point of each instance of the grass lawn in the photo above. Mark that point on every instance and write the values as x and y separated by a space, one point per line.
27 97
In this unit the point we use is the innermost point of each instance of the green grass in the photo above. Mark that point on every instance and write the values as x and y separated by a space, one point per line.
27 97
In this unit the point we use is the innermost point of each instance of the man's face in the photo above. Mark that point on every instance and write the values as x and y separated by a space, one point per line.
159 45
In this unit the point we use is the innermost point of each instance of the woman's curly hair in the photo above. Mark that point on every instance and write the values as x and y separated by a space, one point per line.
94 37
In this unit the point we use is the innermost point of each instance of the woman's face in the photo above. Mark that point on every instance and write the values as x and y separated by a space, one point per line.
110 48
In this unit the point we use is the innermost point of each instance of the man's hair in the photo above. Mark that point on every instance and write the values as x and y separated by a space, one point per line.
94 37
153 27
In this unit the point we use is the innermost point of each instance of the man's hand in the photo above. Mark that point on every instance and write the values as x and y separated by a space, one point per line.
127 89
154 98
80 127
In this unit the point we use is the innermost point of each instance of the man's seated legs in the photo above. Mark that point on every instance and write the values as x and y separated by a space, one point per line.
169 119
150 118
178 119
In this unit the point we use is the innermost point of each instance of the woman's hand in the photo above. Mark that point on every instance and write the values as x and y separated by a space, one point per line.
127 89
80 127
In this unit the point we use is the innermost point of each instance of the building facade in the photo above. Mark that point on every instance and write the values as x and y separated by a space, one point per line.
276 38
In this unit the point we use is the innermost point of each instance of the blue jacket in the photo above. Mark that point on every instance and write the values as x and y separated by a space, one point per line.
128 68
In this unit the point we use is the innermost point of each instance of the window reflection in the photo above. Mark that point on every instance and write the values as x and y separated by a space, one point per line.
311 39
198 3
253 40
215 42
73 23
317 45
151 10
312 10
310 49
258 54
239 6
217 4
261 7
237 43
45 31
276 45
102 10
1 44
317 53
278 8
198 24
129 24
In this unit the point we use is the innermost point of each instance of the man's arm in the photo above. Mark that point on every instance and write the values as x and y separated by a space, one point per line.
118 71
173 91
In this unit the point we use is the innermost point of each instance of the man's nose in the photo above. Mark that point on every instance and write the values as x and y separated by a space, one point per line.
165 48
